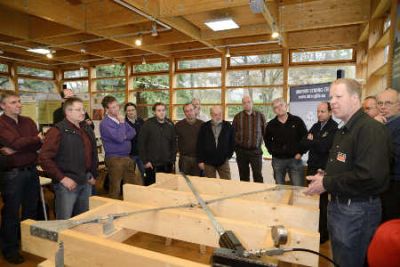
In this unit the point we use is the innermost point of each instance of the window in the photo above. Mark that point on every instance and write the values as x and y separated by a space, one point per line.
198 80
256 59
255 77
259 95
207 96
323 55
71 74
78 87
151 82
113 70
199 63
39 86
267 110
318 74
151 67
149 98
5 83
111 85
179 114
35 72
3 67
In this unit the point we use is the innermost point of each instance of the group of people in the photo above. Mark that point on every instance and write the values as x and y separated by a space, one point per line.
352 167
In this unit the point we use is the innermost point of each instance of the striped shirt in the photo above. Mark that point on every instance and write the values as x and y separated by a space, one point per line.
249 129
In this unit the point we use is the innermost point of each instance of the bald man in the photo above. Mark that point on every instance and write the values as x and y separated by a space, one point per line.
370 106
389 107
249 128
215 145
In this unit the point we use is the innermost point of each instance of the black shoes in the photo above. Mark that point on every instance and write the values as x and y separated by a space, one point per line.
14 258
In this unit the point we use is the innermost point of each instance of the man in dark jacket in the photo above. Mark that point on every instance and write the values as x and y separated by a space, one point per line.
318 142
215 145
157 144
136 123
282 139
69 156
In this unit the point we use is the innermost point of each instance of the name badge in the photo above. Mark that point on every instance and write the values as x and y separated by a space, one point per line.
341 157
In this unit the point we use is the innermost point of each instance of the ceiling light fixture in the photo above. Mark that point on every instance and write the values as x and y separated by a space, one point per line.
222 24
227 53
83 51
275 35
139 40
39 50
143 60
154 31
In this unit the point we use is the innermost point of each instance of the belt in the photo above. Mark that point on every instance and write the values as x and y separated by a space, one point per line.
348 200
24 168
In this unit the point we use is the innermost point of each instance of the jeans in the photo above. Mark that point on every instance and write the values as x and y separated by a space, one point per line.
351 227
71 203
244 157
292 166
18 188
139 164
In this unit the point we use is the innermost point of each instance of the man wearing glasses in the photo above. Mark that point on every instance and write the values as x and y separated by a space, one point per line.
389 108
69 156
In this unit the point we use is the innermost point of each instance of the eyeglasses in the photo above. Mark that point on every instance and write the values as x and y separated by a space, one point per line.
386 103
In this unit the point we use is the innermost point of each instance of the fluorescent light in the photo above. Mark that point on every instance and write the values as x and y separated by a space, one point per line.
39 50
222 24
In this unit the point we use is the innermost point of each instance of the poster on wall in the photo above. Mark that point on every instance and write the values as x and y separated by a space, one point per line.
396 50
304 100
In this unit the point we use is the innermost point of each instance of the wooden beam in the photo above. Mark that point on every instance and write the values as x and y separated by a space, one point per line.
323 14
342 36
236 208
248 30
173 8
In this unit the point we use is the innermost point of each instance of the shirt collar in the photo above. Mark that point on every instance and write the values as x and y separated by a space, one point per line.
356 116
113 119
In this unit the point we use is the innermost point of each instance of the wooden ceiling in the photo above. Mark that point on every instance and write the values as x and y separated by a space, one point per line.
83 32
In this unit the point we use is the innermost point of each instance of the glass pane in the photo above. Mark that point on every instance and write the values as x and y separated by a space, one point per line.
256 59
151 82
3 67
324 55
259 95
317 74
235 109
199 63
25 84
5 83
146 112
208 96
201 79
78 86
114 70
35 72
141 98
255 77
179 115
68 74
151 67
111 85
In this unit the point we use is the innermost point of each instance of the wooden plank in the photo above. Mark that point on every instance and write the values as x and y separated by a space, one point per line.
323 14
46 263
242 210
381 8
364 33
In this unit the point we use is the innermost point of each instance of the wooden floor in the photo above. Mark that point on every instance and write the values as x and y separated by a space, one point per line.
177 248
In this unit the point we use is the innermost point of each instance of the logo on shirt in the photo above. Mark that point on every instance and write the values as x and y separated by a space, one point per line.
341 157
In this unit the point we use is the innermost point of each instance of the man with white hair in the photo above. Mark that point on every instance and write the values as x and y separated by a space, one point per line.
389 107
215 145
197 109
249 128
283 135
357 172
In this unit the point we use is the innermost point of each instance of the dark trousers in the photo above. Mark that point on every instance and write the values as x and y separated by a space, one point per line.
391 202
18 188
150 174
323 210
252 157
189 165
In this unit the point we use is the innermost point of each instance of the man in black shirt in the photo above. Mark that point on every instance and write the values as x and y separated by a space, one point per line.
356 174
282 139
318 142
